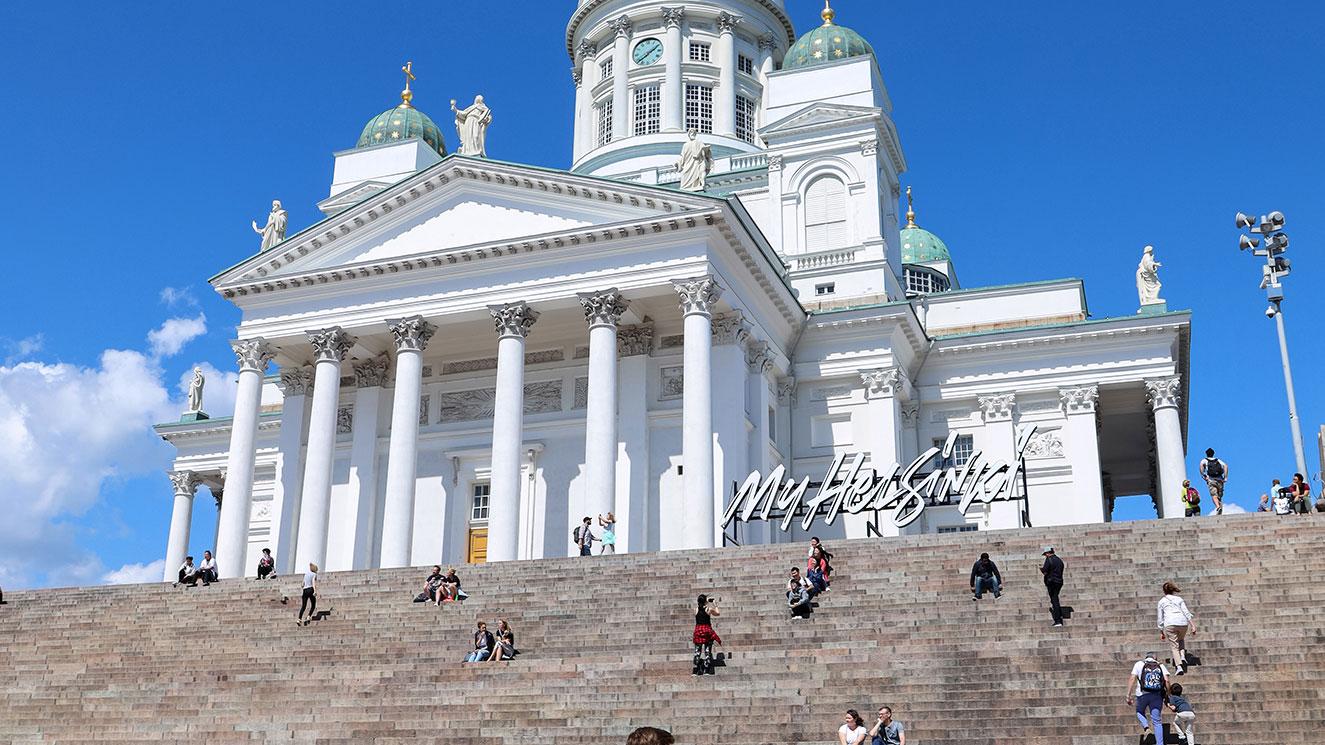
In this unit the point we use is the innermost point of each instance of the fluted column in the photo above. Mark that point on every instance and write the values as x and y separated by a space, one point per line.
185 485
411 336
767 44
295 384
1170 454
620 91
513 322
329 349
697 298
673 91
580 73
602 311
232 544
1082 448
724 104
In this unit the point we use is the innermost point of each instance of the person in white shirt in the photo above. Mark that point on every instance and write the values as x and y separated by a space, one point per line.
1175 621
207 569
309 600
1146 687
853 732
188 573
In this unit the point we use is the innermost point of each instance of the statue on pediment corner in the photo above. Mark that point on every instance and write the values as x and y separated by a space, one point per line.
195 391
471 124
274 231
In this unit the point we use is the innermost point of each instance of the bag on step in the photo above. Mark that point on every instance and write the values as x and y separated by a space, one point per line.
421 597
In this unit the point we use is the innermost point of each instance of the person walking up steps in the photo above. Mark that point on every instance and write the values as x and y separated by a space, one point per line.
1215 473
1053 582
704 636
1146 687
1175 622
1191 500
1184 718
309 600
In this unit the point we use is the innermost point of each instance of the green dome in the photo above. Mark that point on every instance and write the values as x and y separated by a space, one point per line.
828 43
399 124
919 246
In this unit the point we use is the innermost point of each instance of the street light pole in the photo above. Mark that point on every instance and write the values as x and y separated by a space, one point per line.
1296 424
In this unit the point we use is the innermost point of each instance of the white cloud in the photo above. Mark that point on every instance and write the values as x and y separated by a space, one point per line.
218 391
133 574
171 337
1233 509
17 351
178 296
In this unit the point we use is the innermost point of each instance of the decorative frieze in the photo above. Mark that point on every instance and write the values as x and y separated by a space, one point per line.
371 373
344 420
330 345
767 43
697 295
185 483
424 400
490 363
672 341
824 393
296 381
730 329
252 354
603 308
882 382
465 406
1045 445
542 397
1164 392
581 394
411 334
672 383
1079 400
634 340
997 407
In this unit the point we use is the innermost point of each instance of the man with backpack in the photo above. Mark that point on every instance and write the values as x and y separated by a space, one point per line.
584 538
1191 500
1147 687
1215 473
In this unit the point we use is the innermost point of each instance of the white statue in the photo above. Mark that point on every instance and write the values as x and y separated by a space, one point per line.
695 163
274 231
471 123
195 391
1147 278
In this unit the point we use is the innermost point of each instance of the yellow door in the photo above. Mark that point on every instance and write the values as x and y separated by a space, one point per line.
478 545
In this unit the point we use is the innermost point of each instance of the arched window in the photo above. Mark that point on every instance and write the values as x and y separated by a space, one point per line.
825 214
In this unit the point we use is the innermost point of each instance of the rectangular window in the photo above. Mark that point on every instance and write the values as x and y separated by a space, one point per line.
826 214
648 110
605 70
479 511
745 118
745 64
962 448
700 51
699 108
605 122
959 529
828 288
772 424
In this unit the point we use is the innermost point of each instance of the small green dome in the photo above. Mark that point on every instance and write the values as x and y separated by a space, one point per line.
919 246
828 43
399 124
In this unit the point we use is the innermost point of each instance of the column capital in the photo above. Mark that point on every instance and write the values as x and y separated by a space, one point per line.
883 382
296 381
759 356
218 494
1079 400
911 415
185 483
697 295
410 334
634 340
621 26
869 147
586 50
1164 392
727 22
513 319
252 354
997 407
577 75
787 391
673 17
767 43
603 308
775 162
730 328
330 345
372 372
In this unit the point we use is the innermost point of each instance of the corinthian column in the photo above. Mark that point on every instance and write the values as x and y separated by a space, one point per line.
673 93
602 311
620 90
232 539
724 107
411 336
329 348
697 298
185 484
513 322
1170 454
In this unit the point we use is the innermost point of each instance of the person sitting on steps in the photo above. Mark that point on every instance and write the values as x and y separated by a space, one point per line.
985 576
207 569
505 648
650 736
828 559
799 595
704 635
432 587
188 573
483 643
816 569
853 732
266 565
451 587
886 730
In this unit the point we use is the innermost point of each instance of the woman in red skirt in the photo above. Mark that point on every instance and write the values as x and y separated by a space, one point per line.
704 636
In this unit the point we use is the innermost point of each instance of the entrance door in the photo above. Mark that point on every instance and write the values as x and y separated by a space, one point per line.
478 545
478 524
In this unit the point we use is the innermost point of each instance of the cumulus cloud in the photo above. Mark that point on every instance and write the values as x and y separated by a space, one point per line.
172 335
219 389
178 296
133 574
17 351
1233 509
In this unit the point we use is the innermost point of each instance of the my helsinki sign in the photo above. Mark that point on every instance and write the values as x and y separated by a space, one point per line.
854 491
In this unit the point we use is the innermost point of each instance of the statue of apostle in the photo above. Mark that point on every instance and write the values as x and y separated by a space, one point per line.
471 124
1147 278
274 231
695 163
195 391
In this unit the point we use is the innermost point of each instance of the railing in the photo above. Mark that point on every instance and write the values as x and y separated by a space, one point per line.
822 259
744 162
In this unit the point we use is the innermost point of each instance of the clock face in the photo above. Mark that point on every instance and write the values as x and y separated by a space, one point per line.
648 51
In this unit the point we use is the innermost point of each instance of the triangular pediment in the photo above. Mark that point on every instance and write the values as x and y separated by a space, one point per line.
819 115
459 203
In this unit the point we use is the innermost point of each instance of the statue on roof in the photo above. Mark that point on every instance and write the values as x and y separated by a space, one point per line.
1147 278
274 231
695 163
471 124
195 391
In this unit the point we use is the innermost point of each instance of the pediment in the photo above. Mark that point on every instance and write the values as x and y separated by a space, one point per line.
350 197
459 203
819 115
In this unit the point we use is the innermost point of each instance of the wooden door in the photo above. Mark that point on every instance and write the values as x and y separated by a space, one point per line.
478 545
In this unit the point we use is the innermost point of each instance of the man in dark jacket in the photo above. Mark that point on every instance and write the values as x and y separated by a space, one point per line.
1053 582
985 576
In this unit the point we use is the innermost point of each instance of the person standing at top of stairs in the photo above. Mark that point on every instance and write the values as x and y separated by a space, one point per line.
1053 582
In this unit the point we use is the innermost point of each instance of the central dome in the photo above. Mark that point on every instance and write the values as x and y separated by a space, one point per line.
828 43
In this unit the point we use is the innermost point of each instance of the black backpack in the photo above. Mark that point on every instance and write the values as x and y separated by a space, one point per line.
1152 677
1213 468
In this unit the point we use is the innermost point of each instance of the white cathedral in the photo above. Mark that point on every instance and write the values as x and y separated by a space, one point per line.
654 346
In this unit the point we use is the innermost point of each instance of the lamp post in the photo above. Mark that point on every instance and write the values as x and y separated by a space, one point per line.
1271 229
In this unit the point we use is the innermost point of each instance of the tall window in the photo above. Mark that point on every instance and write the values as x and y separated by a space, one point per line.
699 108
605 69
605 122
700 51
745 64
648 110
745 118
962 448
478 511
825 214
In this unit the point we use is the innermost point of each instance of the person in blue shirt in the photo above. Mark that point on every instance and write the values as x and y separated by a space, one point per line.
1184 719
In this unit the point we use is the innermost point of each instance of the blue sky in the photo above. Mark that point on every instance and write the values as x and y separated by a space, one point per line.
1045 140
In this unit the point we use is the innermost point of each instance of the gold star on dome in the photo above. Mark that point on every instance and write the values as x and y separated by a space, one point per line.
817 42
837 52
818 54
837 40
395 135
377 136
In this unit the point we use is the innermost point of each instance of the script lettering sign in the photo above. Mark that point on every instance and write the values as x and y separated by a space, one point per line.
904 490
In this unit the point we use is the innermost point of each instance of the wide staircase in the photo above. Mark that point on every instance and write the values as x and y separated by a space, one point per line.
605 647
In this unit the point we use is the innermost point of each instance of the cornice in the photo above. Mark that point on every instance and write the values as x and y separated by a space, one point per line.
1056 336
588 8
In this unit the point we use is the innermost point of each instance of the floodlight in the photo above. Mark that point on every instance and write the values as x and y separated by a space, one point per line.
1245 242
1276 243
1245 221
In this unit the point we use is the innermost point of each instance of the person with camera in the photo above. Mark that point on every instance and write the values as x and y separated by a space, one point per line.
704 636
886 730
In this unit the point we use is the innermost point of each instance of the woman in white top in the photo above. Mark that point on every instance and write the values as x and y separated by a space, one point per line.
310 596
1175 621
853 732
207 569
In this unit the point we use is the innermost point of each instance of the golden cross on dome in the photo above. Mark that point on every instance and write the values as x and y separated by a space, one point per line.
407 95
910 210
827 13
